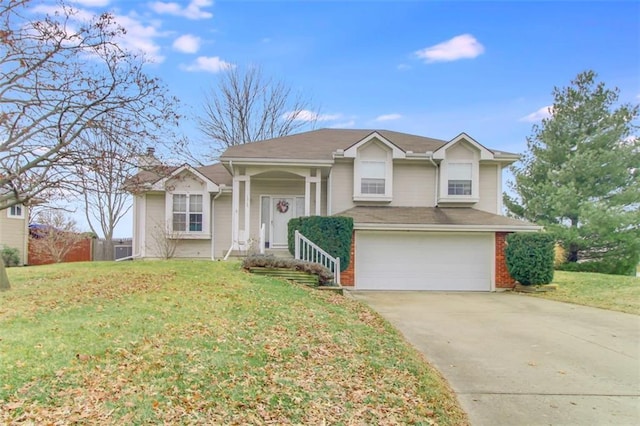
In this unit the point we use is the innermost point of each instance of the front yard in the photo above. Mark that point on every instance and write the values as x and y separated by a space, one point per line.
202 342
614 292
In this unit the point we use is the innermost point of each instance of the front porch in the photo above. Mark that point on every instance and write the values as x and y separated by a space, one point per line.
264 200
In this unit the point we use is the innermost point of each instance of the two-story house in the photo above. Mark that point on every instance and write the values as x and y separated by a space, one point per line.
427 212
14 230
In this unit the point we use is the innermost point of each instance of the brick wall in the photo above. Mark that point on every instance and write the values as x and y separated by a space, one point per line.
503 279
348 276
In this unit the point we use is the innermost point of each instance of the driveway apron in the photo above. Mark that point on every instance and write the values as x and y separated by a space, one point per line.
518 360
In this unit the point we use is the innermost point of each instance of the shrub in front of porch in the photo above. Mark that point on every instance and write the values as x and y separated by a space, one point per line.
325 276
331 233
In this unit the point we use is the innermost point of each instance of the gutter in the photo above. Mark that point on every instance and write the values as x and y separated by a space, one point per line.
448 228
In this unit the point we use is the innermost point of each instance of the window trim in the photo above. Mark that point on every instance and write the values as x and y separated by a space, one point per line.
358 195
445 196
12 215
206 215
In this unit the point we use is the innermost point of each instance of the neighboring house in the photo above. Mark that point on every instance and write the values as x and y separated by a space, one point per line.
427 212
14 231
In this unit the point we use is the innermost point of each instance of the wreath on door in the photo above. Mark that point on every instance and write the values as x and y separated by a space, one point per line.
282 206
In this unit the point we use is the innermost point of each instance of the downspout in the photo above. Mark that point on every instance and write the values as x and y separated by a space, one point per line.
430 155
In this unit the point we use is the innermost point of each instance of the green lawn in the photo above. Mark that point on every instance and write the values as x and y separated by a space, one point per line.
202 342
614 292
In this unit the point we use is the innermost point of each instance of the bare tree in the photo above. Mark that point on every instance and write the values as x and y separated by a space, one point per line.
102 179
56 235
247 107
61 77
165 241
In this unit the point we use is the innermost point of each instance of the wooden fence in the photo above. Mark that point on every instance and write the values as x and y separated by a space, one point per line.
85 250
80 252
117 249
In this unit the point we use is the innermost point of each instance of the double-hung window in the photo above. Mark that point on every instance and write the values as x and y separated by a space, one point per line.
16 212
460 177
372 177
187 213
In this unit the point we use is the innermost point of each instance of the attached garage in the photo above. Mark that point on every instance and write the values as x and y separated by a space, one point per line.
424 260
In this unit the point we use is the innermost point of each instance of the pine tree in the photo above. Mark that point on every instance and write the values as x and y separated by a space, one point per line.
580 176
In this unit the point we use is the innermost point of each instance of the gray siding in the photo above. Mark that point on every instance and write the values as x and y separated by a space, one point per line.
488 186
14 233
413 184
222 225
154 224
342 187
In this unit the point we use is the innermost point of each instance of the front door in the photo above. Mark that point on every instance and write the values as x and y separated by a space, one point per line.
282 210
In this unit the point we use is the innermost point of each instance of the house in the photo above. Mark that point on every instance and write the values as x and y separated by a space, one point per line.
427 212
14 231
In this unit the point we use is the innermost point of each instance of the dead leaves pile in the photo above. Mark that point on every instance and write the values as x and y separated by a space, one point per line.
249 359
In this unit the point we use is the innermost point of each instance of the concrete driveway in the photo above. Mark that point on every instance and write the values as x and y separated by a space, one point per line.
518 360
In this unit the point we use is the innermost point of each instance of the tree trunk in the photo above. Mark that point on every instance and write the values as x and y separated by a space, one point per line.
572 252
4 278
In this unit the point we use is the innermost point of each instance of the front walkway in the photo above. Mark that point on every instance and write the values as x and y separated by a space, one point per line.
518 360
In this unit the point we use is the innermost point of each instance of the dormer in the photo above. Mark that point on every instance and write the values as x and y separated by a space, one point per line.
460 170
373 168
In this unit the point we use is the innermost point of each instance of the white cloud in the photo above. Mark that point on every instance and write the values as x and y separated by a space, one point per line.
388 117
306 115
209 64
140 38
187 43
403 67
544 112
192 11
464 46
92 3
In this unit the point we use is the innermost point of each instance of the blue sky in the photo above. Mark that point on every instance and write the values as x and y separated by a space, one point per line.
430 68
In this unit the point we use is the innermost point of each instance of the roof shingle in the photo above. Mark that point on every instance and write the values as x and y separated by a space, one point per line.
320 144
438 216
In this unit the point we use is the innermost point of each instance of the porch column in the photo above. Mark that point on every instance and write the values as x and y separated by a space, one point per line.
235 211
312 178
247 210
318 190
307 195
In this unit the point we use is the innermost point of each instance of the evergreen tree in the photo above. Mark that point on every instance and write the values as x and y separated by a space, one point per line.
580 176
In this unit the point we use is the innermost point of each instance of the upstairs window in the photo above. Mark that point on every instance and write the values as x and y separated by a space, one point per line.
372 177
187 213
16 212
459 179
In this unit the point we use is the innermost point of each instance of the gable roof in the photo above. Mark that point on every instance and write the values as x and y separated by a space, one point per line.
210 184
144 179
322 143
433 218
485 154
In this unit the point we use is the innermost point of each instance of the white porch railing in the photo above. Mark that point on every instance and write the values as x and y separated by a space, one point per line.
306 250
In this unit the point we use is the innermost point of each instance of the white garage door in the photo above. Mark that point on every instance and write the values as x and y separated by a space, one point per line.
389 260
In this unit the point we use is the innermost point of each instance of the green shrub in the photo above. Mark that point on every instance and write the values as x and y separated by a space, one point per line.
10 256
333 234
530 257
325 276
